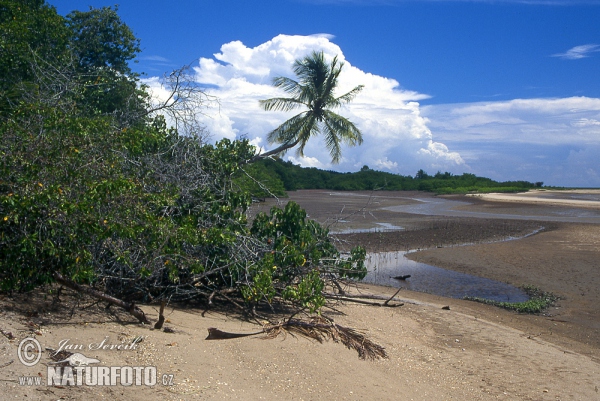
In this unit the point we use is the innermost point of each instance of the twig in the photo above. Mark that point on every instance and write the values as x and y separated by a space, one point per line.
6 364
392 297
7 334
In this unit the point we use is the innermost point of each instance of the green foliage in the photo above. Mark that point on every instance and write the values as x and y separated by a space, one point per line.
295 177
103 45
94 189
354 267
259 181
537 303
30 32
308 292
63 189
300 256
100 40
81 60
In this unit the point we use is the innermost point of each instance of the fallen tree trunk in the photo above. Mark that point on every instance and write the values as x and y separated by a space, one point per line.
128 306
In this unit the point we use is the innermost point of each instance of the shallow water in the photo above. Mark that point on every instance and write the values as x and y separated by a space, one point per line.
382 227
382 266
445 207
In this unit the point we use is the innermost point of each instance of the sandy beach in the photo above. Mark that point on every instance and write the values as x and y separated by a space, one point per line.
438 348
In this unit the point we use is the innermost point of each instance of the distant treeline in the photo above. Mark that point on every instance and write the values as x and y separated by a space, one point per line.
280 176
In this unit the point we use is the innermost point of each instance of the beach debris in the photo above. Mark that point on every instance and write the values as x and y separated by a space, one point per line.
361 299
8 334
216 334
130 307
447 307
318 328
76 359
12 360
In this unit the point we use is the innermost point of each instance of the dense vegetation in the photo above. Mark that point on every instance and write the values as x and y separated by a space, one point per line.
97 190
279 174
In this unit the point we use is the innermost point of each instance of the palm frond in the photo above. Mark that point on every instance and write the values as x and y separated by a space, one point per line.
308 95
310 128
288 131
345 129
332 76
280 104
317 328
321 329
332 142
348 97
338 129
312 69
288 85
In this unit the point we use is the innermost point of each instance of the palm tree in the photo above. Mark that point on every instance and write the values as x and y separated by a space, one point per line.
317 81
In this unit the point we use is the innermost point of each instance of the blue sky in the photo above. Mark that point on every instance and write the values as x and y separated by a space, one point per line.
504 89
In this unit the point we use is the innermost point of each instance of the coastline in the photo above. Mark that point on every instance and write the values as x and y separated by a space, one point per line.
438 348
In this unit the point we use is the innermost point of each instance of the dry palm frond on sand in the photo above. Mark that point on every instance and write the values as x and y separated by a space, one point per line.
317 328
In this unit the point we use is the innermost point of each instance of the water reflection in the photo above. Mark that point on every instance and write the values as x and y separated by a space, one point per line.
383 266
382 227
447 207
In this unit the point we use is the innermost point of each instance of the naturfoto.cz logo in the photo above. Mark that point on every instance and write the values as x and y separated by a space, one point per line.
75 369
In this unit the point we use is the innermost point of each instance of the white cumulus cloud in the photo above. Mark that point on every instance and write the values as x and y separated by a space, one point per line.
551 140
396 136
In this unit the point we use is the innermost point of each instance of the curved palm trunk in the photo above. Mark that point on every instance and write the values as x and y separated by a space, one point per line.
275 151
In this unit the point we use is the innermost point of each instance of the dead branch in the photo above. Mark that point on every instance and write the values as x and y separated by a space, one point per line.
161 317
357 299
128 306
392 297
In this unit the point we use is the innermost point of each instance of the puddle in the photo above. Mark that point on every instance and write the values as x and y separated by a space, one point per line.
382 266
383 227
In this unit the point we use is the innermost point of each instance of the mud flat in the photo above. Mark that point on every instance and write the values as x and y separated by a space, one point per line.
563 255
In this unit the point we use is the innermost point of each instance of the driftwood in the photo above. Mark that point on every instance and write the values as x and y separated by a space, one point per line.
216 334
128 306
360 299
319 329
